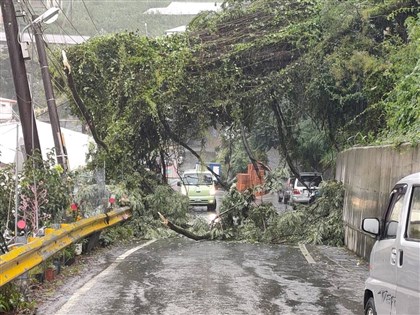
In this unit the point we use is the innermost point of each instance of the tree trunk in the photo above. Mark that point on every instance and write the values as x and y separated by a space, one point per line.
183 231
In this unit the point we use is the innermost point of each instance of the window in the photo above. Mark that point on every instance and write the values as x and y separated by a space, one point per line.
310 181
394 211
413 230
191 179
198 179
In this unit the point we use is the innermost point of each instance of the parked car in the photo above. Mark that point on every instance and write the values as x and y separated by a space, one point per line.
200 188
393 286
300 193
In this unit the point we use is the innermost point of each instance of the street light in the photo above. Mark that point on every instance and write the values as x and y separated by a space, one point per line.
48 17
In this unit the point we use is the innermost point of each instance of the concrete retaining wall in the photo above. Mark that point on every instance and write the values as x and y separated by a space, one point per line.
368 174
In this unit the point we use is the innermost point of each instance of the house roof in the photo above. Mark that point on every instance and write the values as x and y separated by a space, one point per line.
185 8
179 29
77 143
6 100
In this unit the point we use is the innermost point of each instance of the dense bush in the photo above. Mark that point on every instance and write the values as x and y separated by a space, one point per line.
13 299
318 223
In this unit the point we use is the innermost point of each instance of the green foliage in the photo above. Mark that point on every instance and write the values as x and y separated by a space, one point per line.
306 76
6 87
403 102
7 194
173 205
90 196
237 206
146 222
312 143
318 223
50 180
232 154
12 299
112 235
116 16
275 179
118 77
258 222
200 226
42 179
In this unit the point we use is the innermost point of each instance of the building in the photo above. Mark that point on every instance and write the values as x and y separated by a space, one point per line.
6 109
12 148
185 8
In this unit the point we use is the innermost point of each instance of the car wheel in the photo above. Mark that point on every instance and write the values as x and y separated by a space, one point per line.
211 207
370 307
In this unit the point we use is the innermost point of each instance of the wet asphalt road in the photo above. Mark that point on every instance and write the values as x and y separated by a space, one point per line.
181 276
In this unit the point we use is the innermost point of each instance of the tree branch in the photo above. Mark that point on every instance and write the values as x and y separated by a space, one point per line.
280 119
248 151
83 110
175 138
183 231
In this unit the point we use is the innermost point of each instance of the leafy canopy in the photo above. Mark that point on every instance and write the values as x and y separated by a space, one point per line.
303 76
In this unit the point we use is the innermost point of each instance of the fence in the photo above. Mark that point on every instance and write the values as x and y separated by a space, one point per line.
22 259
250 179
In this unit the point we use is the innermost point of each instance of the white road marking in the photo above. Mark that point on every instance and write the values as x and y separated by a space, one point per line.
306 254
73 300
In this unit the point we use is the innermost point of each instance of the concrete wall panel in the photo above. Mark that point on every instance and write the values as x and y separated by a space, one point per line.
368 175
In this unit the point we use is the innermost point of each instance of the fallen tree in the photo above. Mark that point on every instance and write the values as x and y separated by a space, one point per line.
183 231
241 218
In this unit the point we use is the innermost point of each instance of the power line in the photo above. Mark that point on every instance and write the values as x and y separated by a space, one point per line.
69 20
90 17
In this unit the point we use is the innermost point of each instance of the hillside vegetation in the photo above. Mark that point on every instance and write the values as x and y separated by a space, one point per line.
102 17
307 77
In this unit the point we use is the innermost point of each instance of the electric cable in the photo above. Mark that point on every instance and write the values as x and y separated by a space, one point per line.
90 17
69 21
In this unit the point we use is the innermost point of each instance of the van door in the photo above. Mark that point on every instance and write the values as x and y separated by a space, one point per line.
384 259
408 271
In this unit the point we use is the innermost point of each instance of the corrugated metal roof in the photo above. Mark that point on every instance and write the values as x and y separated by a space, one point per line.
179 29
52 38
185 8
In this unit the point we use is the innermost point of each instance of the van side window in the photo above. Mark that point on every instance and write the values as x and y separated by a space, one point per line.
394 212
413 230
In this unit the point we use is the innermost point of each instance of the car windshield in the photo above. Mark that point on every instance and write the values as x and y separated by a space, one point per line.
197 179
310 181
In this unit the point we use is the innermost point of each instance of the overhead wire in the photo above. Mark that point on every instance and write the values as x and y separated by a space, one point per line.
51 57
69 21
90 17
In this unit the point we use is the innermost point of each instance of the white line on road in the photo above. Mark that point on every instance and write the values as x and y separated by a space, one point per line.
73 300
306 254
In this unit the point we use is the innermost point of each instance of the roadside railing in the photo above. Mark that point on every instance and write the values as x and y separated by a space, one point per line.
22 259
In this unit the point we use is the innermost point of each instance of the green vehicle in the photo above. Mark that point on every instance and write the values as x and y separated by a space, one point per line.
200 188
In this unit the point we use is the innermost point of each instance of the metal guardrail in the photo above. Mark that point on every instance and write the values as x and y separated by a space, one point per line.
22 259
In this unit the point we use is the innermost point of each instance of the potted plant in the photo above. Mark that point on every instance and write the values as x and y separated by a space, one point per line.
50 271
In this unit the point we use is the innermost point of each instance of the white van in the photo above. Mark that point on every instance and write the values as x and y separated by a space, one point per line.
393 286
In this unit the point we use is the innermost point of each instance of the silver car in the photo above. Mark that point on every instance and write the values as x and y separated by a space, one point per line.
307 188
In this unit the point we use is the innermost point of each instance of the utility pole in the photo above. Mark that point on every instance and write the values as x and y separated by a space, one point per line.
60 151
23 95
